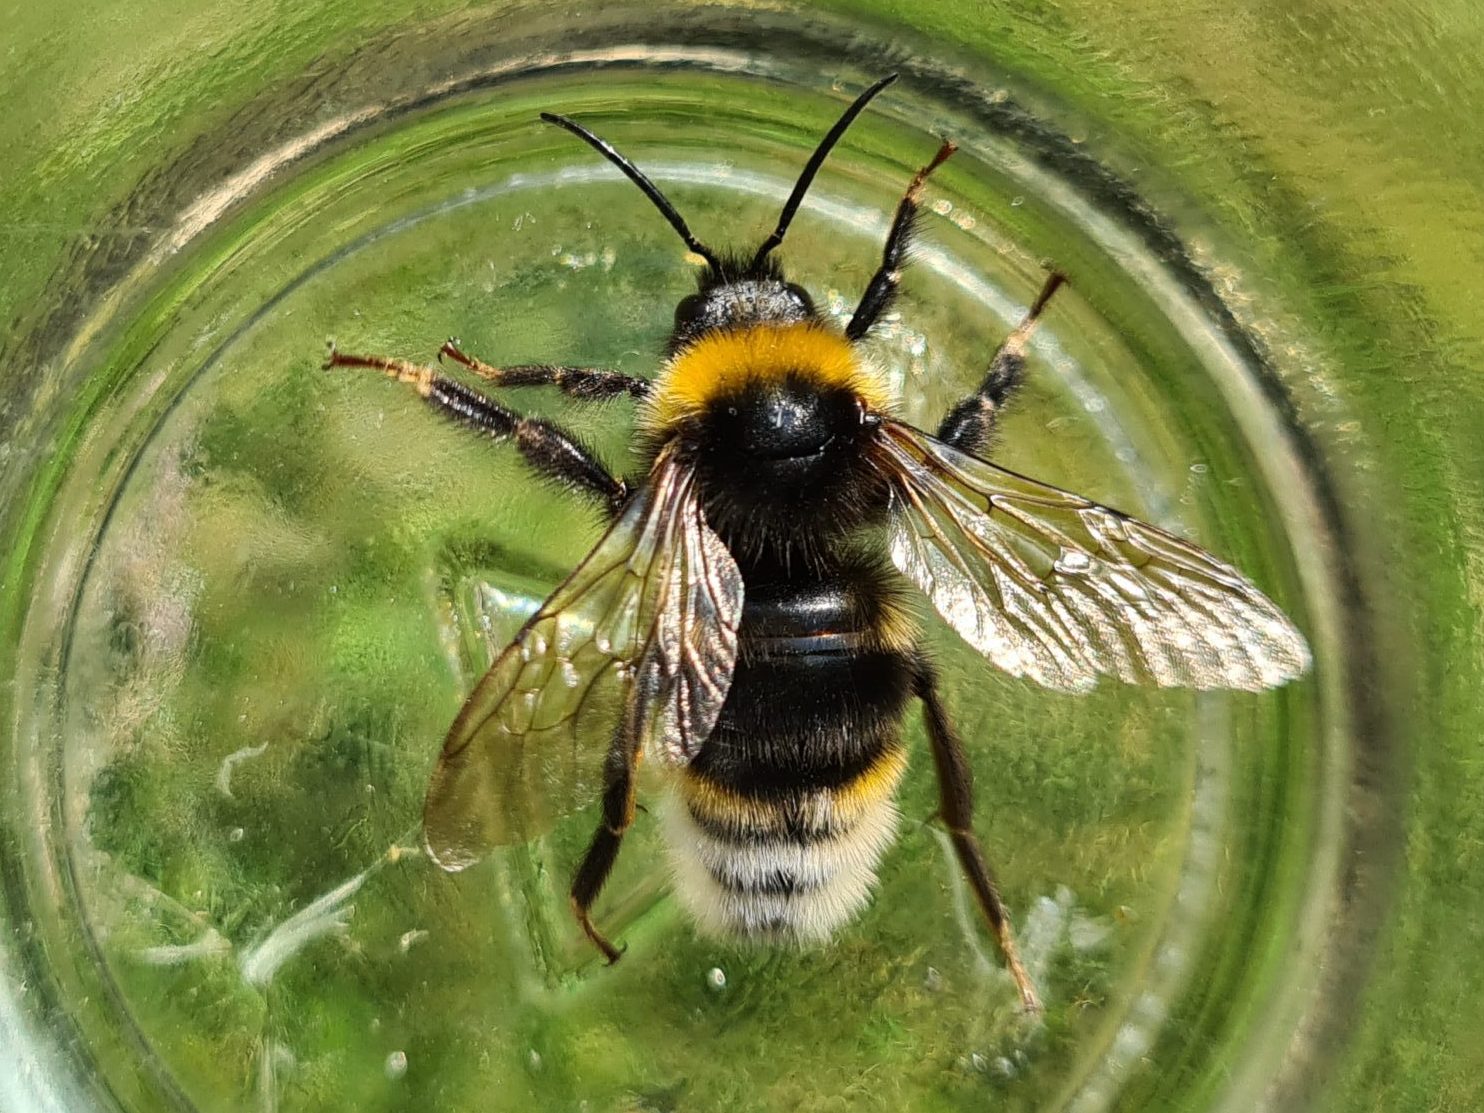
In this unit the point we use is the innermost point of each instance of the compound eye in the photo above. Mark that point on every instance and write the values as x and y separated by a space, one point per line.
689 310
801 295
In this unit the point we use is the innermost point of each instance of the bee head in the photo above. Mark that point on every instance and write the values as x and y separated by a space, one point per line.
735 295
775 409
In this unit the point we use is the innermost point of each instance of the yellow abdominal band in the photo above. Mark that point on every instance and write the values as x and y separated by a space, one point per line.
825 811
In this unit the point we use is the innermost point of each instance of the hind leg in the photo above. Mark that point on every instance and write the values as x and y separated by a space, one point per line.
618 814
956 806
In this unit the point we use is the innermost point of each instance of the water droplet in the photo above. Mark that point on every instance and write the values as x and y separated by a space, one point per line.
396 1065
716 979
410 938
1073 562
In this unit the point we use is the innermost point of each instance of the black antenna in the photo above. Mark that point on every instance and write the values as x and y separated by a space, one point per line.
635 175
816 160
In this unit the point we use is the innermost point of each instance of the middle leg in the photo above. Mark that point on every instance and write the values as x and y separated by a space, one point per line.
549 450
969 426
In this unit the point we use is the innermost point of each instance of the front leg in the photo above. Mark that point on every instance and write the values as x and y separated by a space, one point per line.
881 291
969 426
956 808
547 448
587 384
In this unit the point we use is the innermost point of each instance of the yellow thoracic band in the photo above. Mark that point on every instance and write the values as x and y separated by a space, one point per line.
724 362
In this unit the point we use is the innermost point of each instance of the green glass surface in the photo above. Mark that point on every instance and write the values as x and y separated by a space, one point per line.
243 597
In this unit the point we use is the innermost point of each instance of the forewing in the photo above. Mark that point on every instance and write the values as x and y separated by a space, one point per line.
1058 589
655 604
686 670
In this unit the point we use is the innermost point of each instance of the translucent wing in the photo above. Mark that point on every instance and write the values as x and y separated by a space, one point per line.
650 616
1060 590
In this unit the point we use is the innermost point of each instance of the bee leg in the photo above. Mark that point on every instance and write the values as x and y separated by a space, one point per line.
970 424
956 809
587 384
618 813
551 451
882 289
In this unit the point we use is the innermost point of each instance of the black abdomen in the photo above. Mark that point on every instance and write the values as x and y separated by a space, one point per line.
819 688
805 722
777 824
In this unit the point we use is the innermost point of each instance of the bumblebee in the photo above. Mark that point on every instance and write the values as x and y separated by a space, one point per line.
745 621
